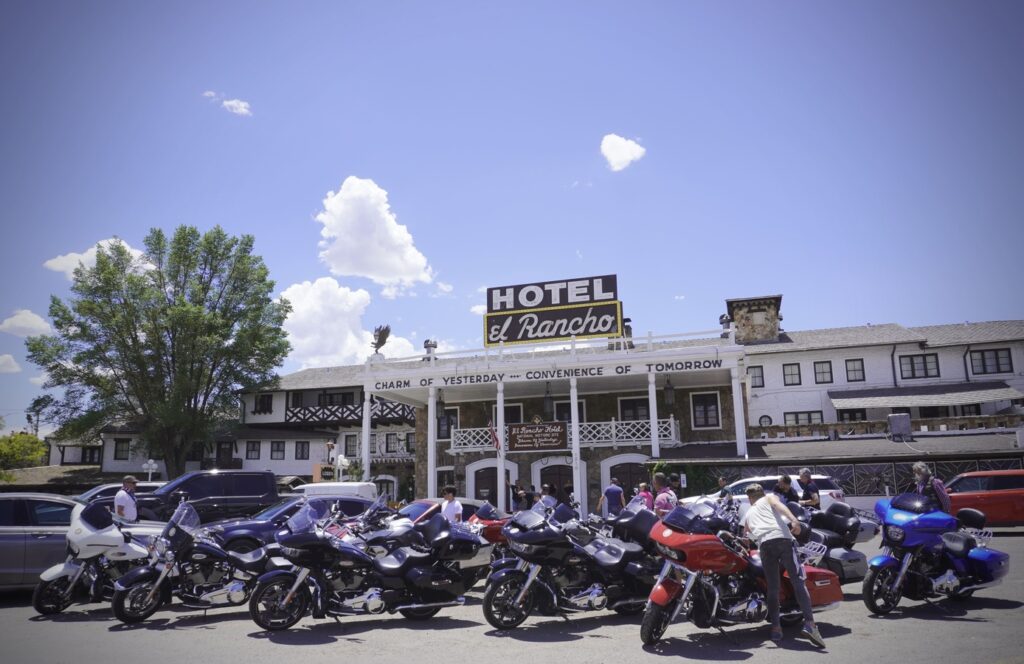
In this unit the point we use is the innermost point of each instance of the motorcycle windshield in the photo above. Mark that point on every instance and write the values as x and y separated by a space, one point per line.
96 516
637 504
914 503
186 518
528 519
685 520
563 513
486 511
305 518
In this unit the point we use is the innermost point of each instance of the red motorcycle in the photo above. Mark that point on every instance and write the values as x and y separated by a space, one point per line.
491 522
711 578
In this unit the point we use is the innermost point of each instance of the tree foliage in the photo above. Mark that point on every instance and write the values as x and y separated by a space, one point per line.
164 341
20 450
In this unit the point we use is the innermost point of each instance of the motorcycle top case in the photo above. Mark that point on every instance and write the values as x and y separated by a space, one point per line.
988 564
823 586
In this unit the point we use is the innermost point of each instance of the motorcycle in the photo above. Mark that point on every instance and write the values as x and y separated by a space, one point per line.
329 576
927 553
190 566
563 566
835 532
99 553
712 579
492 523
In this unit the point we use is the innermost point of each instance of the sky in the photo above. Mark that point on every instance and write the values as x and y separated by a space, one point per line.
391 159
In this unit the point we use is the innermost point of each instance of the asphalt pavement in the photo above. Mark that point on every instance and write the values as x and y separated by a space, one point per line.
987 629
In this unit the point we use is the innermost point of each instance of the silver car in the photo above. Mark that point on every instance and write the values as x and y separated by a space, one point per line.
33 535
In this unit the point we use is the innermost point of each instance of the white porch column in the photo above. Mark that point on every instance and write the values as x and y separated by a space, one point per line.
739 414
432 442
579 484
367 421
652 399
502 497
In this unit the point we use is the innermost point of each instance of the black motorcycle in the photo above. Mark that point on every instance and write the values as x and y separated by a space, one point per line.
186 565
563 566
331 576
835 531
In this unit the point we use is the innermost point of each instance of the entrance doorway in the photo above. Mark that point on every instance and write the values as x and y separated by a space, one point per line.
225 452
486 484
558 477
630 475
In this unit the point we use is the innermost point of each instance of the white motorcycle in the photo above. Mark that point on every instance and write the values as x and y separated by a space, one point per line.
99 552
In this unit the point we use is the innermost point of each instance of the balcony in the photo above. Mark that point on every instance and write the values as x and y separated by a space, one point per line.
592 434
381 450
382 412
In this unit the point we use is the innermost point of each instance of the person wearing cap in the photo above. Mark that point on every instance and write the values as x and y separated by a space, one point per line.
124 502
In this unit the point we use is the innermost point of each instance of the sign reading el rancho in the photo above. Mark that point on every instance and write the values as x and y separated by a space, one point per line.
537 437
553 311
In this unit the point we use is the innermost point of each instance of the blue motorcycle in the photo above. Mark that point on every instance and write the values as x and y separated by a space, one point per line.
927 553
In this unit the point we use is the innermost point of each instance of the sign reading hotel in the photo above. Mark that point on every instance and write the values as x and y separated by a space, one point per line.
538 437
553 311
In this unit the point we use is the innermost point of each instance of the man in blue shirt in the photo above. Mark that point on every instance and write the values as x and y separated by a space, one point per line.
811 495
615 497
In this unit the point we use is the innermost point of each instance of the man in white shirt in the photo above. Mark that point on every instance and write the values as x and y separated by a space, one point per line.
124 502
451 509
763 523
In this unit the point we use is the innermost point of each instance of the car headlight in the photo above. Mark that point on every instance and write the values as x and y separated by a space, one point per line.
519 547
670 553
894 534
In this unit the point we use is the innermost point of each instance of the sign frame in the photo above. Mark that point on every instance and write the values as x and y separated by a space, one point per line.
614 334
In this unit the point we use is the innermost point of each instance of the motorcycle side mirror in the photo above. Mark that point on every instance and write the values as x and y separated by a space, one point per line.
181 496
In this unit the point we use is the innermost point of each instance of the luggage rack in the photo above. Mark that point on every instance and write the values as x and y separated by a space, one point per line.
865 515
982 535
812 552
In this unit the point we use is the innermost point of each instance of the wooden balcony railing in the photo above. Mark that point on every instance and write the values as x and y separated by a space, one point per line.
382 413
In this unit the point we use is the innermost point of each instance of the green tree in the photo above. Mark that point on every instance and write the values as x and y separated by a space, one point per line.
163 341
20 450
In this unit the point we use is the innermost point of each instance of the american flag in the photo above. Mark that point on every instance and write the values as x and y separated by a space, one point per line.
494 435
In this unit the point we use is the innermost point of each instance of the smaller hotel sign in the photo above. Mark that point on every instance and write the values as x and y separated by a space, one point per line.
537 437
553 311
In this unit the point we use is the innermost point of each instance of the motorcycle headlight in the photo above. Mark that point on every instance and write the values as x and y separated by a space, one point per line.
519 547
160 546
894 534
670 553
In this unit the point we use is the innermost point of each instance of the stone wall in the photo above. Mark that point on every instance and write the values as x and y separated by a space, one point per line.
756 319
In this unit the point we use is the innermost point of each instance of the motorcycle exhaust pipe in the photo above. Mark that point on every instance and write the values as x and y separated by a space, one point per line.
458 601
979 586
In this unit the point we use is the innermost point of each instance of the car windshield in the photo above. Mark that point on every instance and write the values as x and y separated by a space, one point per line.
186 518
306 517
414 511
274 510
824 483
914 503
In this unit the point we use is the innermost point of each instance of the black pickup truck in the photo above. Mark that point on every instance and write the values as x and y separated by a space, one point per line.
216 495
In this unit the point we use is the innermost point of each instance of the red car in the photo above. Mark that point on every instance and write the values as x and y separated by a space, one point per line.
999 494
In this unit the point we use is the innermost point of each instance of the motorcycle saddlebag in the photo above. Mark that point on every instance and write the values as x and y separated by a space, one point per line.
853 565
988 564
462 545
823 586
427 578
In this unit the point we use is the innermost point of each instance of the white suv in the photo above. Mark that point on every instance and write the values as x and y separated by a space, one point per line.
829 491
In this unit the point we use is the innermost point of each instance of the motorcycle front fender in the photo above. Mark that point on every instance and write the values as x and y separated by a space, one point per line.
498 575
269 577
59 570
136 576
883 561
665 591
504 563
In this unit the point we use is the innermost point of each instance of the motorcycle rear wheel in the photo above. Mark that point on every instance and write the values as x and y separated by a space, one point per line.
655 622
877 593
130 605
499 603
265 605
420 614
49 596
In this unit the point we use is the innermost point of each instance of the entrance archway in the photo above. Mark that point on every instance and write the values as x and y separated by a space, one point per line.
482 476
559 467
629 469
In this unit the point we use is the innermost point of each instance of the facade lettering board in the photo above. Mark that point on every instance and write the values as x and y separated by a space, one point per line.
541 437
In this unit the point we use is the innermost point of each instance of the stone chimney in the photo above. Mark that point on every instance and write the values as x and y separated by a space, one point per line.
757 319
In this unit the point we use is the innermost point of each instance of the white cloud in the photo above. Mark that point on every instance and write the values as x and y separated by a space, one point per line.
445 288
25 323
210 94
236 106
325 326
38 380
620 152
478 309
362 238
679 297
8 365
67 263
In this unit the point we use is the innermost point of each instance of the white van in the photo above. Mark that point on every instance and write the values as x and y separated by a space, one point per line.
367 490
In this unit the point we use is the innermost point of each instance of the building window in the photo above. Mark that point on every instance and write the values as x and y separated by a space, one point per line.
970 410
765 421
277 450
391 443
705 410
791 374
410 442
447 422
855 371
296 400
991 361
563 412
264 404
934 411
806 417
351 445
852 415
336 399
513 413
90 455
823 372
634 409
756 375
919 366
122 448
302 450
252 450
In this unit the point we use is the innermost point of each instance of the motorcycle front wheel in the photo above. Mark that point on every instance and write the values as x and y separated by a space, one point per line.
879 595
655 622
49 596
500 608
420 614
265 605
131 604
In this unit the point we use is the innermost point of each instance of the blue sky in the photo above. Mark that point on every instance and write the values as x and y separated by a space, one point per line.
863 159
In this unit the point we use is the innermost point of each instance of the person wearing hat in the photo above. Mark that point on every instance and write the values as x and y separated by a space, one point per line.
124 502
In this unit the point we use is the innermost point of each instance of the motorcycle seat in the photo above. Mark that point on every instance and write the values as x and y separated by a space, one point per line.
435 531
616 553
958 544
250 562
829 538
400 561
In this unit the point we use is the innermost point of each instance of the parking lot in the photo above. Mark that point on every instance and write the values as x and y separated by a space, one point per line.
986 629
